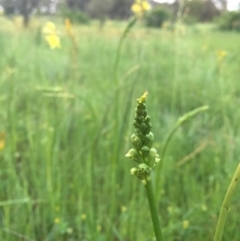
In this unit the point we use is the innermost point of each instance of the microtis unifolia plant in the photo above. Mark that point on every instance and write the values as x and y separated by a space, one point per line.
145 156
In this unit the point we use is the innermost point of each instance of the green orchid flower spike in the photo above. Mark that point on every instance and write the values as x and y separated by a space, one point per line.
146 158
142 152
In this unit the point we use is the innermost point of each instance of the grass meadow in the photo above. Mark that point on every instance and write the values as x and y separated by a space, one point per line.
66 121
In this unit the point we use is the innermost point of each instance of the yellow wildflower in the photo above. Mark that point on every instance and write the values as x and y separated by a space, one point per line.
51 36
140 7
53 41
57 220
204 207
221 54
123 209
83 216
99 228
185 224
49 28
2 141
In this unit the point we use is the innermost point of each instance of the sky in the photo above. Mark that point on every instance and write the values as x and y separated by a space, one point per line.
232 4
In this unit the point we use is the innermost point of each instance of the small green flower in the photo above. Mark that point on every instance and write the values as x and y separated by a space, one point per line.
142 151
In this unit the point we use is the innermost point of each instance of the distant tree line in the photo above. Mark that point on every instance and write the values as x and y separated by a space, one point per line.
200 10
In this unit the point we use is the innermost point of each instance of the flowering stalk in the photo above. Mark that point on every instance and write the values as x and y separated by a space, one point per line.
145 156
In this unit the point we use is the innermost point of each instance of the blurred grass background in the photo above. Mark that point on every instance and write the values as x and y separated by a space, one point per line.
63 172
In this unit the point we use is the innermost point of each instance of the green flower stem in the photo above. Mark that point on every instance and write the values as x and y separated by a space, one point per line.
153 209
225 205
145 156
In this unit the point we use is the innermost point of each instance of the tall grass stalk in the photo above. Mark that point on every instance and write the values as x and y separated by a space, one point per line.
183 119
117 141
176 55
226 205
127 29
